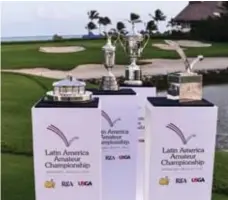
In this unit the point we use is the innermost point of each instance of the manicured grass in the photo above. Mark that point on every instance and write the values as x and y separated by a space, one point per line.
18 178
19 94
16 56
220 184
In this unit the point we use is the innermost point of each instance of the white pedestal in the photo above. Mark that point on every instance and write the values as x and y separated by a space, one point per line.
142 94
180 145
119 143
67 150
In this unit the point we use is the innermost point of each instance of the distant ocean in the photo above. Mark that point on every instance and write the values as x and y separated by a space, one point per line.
36 38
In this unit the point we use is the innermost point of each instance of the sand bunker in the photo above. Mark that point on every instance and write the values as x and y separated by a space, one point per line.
164 47
69 49
191 43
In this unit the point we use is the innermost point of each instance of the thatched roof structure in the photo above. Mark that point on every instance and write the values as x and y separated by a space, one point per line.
199 10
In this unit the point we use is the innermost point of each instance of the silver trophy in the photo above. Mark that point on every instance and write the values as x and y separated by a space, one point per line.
108 82
69 89
184 86
133 44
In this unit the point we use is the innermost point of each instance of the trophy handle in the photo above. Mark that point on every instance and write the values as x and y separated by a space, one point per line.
115 41
146 42
196 60
181 53
121 43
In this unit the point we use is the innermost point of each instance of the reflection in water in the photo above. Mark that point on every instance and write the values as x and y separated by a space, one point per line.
218 95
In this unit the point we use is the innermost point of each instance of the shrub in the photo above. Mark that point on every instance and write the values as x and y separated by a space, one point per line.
57 37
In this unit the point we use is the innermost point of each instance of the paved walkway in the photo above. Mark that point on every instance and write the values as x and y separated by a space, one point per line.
157 66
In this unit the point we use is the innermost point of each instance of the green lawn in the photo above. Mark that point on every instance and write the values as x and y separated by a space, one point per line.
18 181
19 93
27 55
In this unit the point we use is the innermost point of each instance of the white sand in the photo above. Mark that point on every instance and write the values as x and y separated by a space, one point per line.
157 66
68 49
191 43
164 47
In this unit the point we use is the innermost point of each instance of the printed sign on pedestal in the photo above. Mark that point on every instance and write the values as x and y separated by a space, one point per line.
142 94
180 143
67 155
119 146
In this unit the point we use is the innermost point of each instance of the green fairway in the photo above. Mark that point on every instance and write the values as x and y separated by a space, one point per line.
27 55
19 93
18 179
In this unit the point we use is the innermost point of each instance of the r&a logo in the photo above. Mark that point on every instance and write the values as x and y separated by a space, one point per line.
109 157
84 183
67 184
198 180
181 180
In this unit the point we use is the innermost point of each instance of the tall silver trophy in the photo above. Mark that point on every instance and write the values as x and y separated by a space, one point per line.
184 86
69 90
108 82
133 44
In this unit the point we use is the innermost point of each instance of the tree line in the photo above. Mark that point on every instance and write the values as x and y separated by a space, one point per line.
96 21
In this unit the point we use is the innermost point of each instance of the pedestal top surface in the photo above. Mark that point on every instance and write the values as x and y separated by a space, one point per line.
61 104
113 92
137 86
164 102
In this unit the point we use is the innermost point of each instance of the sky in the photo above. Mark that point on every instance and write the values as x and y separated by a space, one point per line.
40 18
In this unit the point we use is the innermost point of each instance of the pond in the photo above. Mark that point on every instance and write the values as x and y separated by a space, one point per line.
218 94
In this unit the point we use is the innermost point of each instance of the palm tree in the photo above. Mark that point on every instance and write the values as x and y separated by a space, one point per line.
100 23
92 14
158 16
91 26
134 18
121 28
106 21
151 26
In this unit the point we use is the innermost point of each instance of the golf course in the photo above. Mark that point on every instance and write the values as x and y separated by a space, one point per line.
27 55
20 92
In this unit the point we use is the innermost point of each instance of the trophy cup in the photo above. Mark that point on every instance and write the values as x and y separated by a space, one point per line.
184 86
133 44
109 82
69 89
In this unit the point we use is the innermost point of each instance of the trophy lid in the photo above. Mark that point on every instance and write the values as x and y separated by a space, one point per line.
108 46
69 81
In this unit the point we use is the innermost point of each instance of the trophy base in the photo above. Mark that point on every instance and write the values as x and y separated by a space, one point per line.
184 87
109 83
133 82
87 96
133 77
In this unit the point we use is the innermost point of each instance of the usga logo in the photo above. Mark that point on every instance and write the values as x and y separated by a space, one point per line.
121 157
198 180
49 184
109 157
84 183
181 180
67 184
164 181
